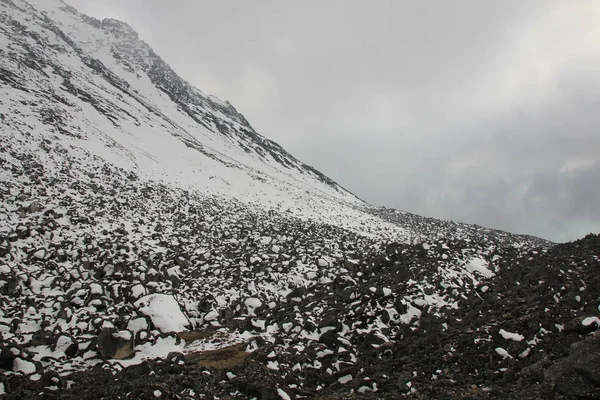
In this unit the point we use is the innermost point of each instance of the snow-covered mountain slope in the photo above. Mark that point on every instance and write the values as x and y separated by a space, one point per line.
91 91
96 89
150 235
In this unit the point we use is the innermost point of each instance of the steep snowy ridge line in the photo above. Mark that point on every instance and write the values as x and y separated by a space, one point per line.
213 145
161 73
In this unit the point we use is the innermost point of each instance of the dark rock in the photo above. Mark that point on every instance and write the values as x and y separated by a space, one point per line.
35 207
535 371
576 325
53 379
329 339
9 285
115 344
175 358
42 338
4 246
6 359
578 375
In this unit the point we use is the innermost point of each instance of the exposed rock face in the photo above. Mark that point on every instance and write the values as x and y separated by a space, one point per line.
577 376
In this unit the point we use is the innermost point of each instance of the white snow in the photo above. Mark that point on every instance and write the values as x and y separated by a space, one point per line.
525 353
480 266
137 291
502 352
164 311
322 262
411 312
96 289
252 304
283 395
274 365
365 389
259 323
148 351
511 336
24 366
591 320
137 324
125 335
211 315
345 379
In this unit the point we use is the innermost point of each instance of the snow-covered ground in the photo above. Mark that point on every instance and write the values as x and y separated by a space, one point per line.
141 218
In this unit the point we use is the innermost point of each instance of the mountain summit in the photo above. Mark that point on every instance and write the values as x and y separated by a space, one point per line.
153 244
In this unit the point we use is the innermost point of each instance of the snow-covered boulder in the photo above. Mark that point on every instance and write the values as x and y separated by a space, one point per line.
164 311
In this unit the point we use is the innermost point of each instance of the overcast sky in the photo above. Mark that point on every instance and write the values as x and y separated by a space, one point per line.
478 111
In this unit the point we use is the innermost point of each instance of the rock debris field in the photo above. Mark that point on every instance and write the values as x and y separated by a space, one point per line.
154 246
112 287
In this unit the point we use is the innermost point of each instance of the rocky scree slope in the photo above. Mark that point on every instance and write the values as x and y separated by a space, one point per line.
122 276
113 286
255 305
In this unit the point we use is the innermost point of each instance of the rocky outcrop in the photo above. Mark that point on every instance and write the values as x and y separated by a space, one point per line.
576 376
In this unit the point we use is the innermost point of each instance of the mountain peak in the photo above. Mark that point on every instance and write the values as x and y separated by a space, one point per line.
119 28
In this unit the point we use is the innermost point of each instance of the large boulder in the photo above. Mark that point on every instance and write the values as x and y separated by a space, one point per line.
578 375
164 311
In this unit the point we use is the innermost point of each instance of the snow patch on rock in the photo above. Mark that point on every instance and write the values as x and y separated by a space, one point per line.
164 312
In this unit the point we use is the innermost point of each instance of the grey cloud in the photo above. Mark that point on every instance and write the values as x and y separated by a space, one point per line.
484 112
